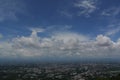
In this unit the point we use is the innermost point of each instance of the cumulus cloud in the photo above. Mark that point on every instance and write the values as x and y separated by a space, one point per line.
103 41
64 44
86 7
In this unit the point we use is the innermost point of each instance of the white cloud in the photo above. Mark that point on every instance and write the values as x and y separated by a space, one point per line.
44 46
86 7
111 12
37 30
112 29
79 8
103 41
62 44
9 9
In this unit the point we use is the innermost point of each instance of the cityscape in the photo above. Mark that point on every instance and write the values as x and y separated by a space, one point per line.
66 71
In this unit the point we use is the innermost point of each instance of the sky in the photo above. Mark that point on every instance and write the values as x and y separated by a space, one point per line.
59 29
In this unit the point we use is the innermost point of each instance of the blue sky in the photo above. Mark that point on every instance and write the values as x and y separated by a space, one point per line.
53 24
18 16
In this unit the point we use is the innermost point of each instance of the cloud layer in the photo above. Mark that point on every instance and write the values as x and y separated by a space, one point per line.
64 44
